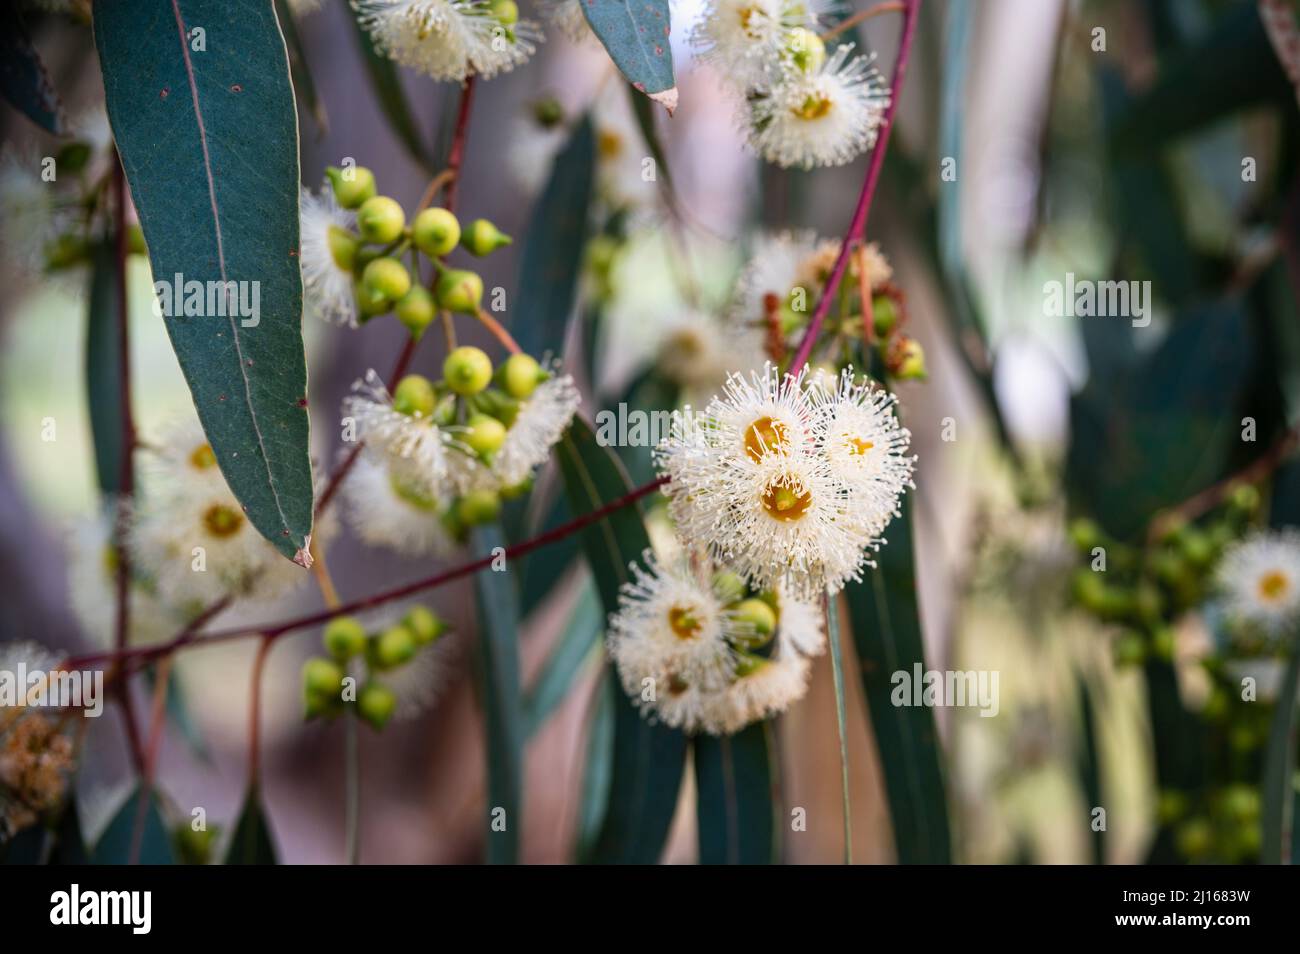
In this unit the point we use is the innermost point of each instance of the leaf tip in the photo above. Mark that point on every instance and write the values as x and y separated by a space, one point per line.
667 99
303 557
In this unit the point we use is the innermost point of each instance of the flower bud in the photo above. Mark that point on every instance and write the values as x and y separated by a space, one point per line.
380 219
343 247
344 637
376 704
322 677
757 614
387 277
905 359
424 624
1244 499
729 586
515 491
748 663
435 232
468 370
393 647
505 12
416 310
460 291
482 237
1195 838
478 507
414 396
805 49
884 315
1085 535
1129 649
548 112
519 375
485 435
370 302
351 187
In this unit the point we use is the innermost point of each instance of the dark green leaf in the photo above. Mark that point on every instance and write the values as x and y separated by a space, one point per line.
736 805
841 721
116 845
387 84
597 777
577 644
252 843
24 84
209 141
498 661
553 247
648 759
303 82
1278 792
70 843
635 32
1089 764
104 368
886 622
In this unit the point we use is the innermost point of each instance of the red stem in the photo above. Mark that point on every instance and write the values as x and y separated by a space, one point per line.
858 224
458 137
255 714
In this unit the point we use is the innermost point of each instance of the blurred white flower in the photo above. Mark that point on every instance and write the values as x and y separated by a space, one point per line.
387 508
1259 578
765 688
744 39
326 284
567 17
542 419
864 442
429 449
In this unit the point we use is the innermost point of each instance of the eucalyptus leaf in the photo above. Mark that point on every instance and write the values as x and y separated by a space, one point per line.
104 369
24 83
252 843
636 34
736 805
116 845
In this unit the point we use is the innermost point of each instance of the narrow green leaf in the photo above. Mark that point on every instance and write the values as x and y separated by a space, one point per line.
576 646
635 32
736 806
648 759
598 776
886 624
1089 765
115 844
387 84
1278 796
24 84
841 721
252 843
209 141
304 83
498 661
104 368
553 247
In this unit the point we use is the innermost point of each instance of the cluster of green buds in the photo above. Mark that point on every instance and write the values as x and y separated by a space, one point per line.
758 612
347 643
1144 588
374 254
482 403
1222 827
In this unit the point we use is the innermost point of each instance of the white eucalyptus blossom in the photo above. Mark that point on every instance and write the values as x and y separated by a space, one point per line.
387 507
429 449
542 419
327 284
864 442
765 688
744 39
826 117
1259 578
567 17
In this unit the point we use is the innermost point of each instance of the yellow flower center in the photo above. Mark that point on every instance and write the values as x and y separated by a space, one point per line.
765 436
785 502
1274 585
222 521
609 144
814 106
857 446
202 457
746 15
683 622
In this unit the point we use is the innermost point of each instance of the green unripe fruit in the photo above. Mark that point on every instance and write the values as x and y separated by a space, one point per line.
770 598
515 491
416 309
482 237
485 435
1089 589
1244 499
806 49
351 186
905 359
728 586
414 396
1243 738
424 624
387 277
1197 548
478 507
506 12
1085 534
747 664
435 232
1162 643
1195 837
468 370
520 375
884 315
1150 604
343 247
344 638
376 704
380 219
394 647
460 291
1171 806
756 613
370 302
1130 650
548 112
322 677
1240 802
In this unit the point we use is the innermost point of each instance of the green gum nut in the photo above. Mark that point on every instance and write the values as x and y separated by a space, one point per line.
435 232
1084 534
343 247
747 664
376 704
909 360
519 375
484 435
884 315
322 677
425 625
352 187
467 370
483 238
460 291
806 49
478 507
728 586
393 647
380 220
415 310
344 637
370 303
548 112
757 614
1194 837
505 12
414 396
387 277
1244 499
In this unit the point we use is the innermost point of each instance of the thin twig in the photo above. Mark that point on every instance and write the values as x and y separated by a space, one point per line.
889 6
498 332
